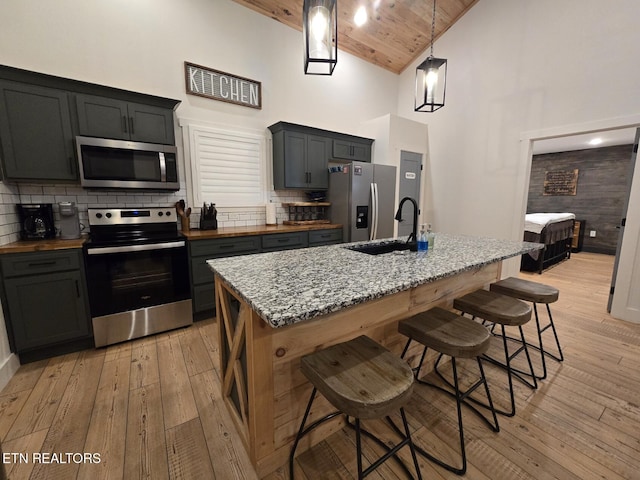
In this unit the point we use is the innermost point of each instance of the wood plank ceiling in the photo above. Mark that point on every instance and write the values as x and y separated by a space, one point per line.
396 31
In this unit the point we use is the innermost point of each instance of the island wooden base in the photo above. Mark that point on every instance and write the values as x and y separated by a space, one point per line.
262 385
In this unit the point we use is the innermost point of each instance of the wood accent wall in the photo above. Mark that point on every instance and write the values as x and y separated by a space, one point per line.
601 191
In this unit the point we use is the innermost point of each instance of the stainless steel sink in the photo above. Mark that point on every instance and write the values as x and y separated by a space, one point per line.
381 248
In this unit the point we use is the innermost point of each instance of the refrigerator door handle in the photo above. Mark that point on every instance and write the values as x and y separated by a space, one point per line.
374 214
375 188
372 225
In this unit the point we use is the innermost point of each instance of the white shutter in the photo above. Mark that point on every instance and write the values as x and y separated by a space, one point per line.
226 167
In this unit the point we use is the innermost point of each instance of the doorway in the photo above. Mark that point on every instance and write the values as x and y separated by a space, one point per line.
578 139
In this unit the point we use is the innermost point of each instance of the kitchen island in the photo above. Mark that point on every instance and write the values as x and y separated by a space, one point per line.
275 307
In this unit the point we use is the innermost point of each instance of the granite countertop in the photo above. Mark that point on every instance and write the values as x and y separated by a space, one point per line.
290 286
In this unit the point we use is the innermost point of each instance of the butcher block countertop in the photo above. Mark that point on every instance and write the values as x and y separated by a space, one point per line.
26 246
255 230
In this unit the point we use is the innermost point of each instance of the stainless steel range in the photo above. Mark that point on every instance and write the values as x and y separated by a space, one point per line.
137 272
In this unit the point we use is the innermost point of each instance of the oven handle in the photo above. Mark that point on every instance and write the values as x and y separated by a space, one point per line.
135 248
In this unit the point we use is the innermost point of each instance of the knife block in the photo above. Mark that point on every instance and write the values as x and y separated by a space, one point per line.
184 224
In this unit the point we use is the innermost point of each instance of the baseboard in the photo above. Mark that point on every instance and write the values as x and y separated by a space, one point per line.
8 369
605 251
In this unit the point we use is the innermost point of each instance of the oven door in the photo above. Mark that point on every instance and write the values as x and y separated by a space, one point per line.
131 277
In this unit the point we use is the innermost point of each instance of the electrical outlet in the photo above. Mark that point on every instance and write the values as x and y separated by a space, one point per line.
592 233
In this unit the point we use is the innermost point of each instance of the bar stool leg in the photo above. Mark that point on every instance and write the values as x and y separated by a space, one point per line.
543 352
359 449
302 431
510 372
460 400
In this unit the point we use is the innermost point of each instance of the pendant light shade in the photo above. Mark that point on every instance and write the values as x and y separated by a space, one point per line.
431 83
320 31
431 78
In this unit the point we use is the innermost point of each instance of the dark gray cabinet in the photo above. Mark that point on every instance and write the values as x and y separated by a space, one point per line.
284 241
301 154
327 236
348 150
300 161
40 116
202 291
119 119
202 287
45 298
36 133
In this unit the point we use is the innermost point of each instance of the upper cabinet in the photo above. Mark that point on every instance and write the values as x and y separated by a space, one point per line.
36 133
40 116
112 118
352 150
301 155
300 161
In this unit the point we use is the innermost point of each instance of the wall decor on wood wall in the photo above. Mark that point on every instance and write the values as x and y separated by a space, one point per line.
560 182
226 87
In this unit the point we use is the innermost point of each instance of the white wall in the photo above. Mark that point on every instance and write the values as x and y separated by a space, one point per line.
516 66
142 45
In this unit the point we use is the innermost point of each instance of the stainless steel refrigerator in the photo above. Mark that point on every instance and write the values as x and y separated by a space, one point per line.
362 197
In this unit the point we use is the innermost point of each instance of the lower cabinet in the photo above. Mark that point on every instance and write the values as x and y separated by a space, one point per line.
202 286
45 299
200 251
327 236
284 241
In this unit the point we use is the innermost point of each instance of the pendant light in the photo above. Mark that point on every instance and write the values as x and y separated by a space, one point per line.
431 78
320 31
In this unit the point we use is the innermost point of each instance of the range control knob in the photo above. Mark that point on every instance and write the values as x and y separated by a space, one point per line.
98 215
108 215
168 214
160 214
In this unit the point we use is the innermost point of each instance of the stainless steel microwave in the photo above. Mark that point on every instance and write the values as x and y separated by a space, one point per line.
107 163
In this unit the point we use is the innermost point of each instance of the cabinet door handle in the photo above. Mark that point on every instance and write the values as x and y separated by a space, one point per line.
77 289
42 264
131 125
71 166
124 123
284 240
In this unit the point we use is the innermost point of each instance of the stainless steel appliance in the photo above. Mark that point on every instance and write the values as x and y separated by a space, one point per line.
107 163
362 197
36 221
137 273
69 224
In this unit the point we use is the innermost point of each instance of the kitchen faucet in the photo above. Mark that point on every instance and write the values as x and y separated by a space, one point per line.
412 244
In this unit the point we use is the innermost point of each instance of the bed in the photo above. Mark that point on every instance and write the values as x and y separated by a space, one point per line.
555 231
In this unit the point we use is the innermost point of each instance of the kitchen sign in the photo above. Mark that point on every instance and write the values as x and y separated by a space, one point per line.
210 83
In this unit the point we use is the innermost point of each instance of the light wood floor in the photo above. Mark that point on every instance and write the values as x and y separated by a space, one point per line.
151 408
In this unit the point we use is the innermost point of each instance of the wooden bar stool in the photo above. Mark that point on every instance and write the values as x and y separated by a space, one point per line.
535 293
458 337
504 311
362 380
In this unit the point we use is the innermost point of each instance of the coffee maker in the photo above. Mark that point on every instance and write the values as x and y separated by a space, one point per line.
36 221
69 222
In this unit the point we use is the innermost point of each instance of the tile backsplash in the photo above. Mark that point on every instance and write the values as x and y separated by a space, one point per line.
11 194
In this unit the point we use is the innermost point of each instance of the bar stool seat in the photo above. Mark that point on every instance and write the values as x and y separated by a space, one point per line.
458 337
535 293
505 311
363 380
494 308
